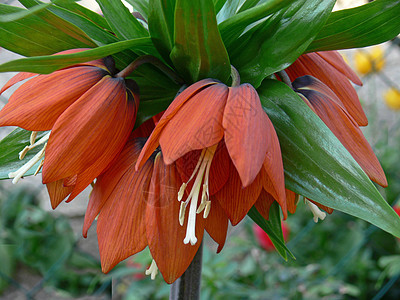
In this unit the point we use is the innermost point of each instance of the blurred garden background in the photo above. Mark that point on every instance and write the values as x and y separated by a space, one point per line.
43 254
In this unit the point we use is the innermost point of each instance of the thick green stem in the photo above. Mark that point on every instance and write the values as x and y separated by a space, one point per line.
187 287
150 59
235 76
285 78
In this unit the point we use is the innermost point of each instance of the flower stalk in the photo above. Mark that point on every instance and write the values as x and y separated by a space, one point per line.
150 59
188 285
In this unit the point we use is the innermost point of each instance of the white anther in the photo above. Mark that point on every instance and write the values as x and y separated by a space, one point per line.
318 214
152 270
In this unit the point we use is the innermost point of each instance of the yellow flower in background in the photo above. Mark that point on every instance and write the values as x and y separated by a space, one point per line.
369 61
392 98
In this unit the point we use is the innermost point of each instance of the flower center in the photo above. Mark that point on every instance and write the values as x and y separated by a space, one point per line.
202 174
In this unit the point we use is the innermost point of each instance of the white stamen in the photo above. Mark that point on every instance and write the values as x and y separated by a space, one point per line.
194 197
318 214
181 191
201 171
182 211
152 270
17 175
39 167
31 146
33 137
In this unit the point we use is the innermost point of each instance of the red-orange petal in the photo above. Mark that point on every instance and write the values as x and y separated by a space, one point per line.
17 78
236 200
57 192
38 103
336 60
164 234
344 128
246 133
272 174
291 199
263 203
121 229
217 224
197 124
153 141
107 181
315 65
90 133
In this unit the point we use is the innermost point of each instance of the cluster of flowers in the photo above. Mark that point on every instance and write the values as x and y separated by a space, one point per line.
204 162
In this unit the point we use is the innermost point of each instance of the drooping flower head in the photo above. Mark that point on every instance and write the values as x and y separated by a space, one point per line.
226 150
90 113
322 80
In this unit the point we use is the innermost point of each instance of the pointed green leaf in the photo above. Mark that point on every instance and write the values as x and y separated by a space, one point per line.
317 165
218 4
122 22
366 25
277 42
161 25
32 36
59 23
50 63
15 16
10 147
93 31
85 12
233 27
198 50
228 10
273 228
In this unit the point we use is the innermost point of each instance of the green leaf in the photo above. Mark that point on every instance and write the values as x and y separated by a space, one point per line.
23 13
228 10
51 63
10 147
233 27
161 25
92 30
277 42
273 228
218 4
87 13
366 25
32 36
142 6
59 23
198 48
248 4
122 22
317 165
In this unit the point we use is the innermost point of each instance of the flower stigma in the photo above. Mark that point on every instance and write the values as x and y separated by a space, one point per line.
318 214
152 270
201 174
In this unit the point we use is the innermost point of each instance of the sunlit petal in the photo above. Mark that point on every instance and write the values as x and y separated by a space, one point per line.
199 121
38 103
90 132
247 130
